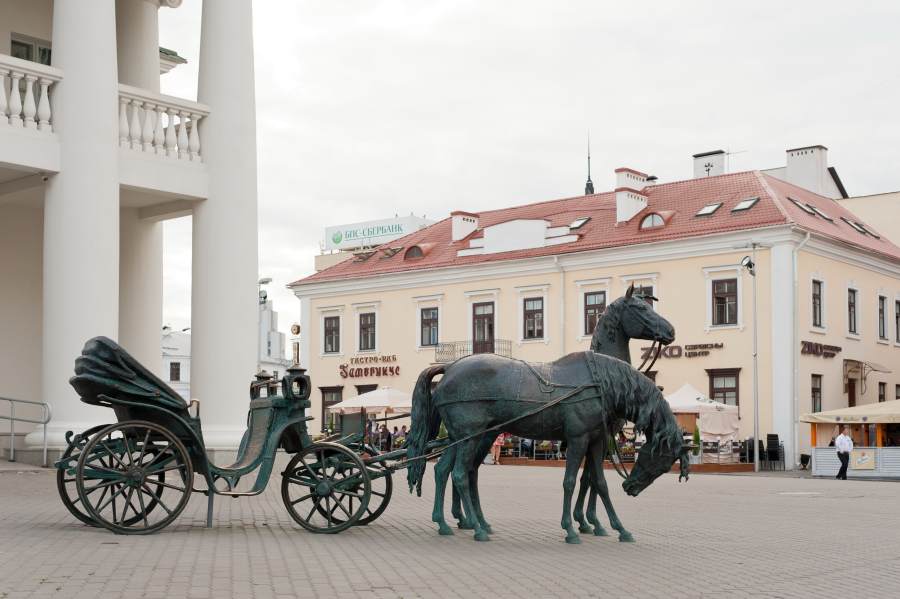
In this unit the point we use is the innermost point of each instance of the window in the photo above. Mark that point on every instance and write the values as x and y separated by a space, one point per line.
652 220
175 371
859 228
896 391
332 328
579 222
897 321
816 392
367 331
725 302
644 292
708 209
413 253
363 389
820 213
29 48
805 208
817 303
534 318
851 311
723 385
429 319
745 205
594 305
330 396
882 391
882 317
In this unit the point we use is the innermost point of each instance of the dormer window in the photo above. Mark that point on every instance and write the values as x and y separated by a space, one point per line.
414 253
652 220
579 222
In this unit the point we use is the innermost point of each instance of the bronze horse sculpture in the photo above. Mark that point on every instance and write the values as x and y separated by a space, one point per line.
575 398
628 317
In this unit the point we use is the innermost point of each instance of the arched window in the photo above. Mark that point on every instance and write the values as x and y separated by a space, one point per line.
413 252
652 220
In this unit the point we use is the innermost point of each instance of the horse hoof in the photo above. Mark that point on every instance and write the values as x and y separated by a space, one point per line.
573 540
626 537
482 536
585 529
487 528
600 532
463 525
445 531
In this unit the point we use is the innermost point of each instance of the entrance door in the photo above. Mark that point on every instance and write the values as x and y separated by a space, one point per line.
483 328
851 393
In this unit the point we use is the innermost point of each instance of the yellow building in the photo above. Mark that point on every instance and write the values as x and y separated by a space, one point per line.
529 282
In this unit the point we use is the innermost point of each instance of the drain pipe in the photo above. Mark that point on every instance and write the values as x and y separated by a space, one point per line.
795 351
562 304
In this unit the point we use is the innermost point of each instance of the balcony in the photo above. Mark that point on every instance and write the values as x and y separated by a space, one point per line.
27 141
451 351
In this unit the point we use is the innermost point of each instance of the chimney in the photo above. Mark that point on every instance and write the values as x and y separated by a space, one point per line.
464 223
807 168
709 164
629 199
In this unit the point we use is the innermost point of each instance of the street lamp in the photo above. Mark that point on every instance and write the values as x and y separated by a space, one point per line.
749 262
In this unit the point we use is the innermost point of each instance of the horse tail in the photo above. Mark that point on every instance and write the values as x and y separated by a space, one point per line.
424 426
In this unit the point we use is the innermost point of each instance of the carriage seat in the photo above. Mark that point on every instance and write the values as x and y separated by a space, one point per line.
104 368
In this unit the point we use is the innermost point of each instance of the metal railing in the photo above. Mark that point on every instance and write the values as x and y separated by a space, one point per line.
450 351
12 418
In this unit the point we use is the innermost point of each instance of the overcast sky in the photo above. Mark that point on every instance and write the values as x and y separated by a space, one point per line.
367 109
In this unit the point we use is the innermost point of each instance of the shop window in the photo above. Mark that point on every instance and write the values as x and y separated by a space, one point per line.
851 311
816 392
367 331
725 302
594 305
332 328
882 392
882 317
429 333
330 396
534 318
724 385
817 303
174 371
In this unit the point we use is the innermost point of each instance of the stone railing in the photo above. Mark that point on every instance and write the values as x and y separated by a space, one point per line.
25 90
161 125
450 351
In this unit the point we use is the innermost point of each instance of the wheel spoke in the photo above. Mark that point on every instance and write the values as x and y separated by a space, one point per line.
109 452
374 492
158 499
127 505
307 496
341 505
100 486
328 509
112 499
159 455
310 470
314 508
349 493
141 502
160 483
144 447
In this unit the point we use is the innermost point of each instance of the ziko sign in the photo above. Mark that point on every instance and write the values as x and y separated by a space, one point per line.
697 350
363 366
818 349
370 233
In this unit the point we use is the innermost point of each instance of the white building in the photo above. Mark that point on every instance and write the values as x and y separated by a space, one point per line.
176 355
92 159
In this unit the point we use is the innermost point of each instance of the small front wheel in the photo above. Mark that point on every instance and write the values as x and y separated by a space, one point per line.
326 488
65 475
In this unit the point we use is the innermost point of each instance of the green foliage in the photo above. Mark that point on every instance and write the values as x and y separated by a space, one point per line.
442 432
696 440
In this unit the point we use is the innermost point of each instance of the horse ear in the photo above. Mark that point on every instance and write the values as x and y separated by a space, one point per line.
630 291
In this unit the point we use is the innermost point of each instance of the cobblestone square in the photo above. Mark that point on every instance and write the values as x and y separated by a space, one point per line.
715 536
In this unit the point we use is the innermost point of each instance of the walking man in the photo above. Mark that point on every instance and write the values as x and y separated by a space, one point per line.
844 445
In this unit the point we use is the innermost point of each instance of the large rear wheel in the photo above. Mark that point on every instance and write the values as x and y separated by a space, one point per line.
121 473
326 488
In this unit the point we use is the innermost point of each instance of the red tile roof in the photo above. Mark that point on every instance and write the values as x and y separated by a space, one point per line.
678 202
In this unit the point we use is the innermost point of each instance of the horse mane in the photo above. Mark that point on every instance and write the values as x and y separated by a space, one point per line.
607 324
629 394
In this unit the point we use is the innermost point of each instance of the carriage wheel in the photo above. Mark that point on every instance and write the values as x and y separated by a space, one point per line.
326 488
382 488
134 460
65 475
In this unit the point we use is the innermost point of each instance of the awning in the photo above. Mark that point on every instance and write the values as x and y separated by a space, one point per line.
379 400
885 412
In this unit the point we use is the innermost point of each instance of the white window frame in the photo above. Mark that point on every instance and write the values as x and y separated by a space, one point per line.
857 335
324 312
640 280
717 273
888 316
366 308
894 319
531 291
421 302
812 327
479 296
589 286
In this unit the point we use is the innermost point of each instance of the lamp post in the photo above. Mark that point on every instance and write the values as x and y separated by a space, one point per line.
749 262
263 296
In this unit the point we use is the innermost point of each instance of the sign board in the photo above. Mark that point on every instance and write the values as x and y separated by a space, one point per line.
697 350
371 233
862 459
370 366
812 348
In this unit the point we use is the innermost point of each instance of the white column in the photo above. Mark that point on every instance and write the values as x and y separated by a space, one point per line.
782 314
81 209
141 258
224 301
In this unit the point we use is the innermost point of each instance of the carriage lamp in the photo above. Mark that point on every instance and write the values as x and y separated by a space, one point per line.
748 263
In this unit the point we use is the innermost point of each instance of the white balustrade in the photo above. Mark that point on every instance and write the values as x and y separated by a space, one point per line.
161 125
25 89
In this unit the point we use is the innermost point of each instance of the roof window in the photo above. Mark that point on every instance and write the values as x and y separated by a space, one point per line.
804 207
820 213
860 227
579 222
745 205
413 253
708 209
652 220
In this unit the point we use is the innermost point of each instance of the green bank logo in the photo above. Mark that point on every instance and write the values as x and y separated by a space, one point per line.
337 237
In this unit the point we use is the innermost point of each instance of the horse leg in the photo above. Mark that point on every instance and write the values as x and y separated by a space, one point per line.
484 448
584 485
465 454
441 473
599 452
574 456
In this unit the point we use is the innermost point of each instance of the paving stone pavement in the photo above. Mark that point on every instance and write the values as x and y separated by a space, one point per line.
714 536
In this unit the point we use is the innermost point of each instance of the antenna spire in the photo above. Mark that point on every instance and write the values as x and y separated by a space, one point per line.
589 185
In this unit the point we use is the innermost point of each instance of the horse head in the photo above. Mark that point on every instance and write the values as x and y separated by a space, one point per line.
631 317
664 446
